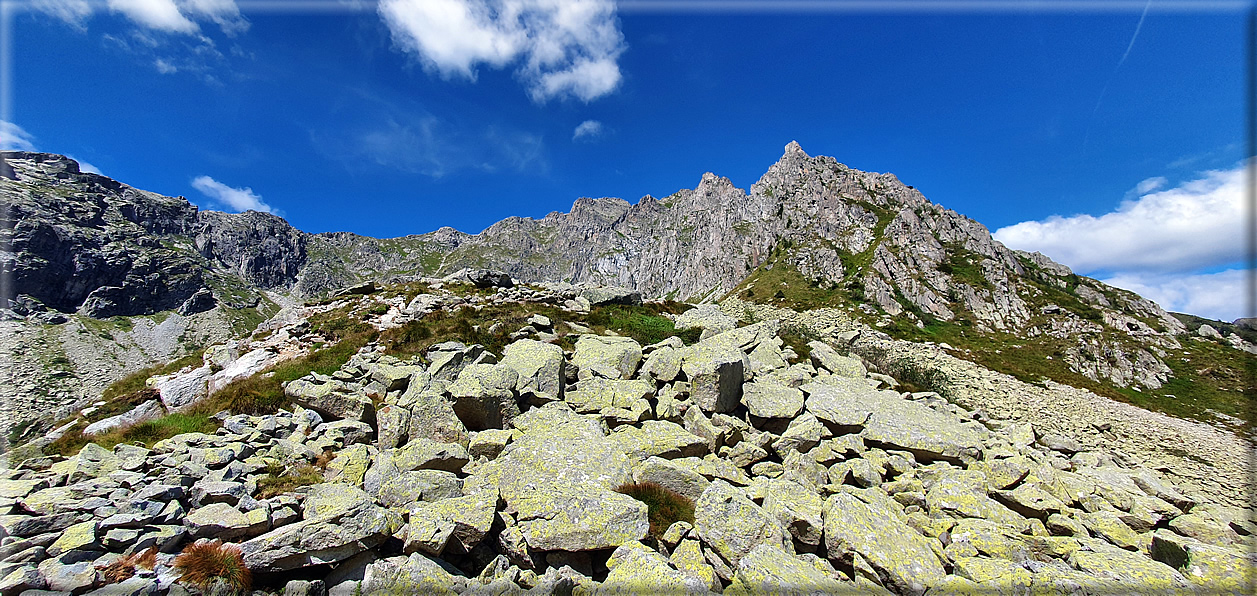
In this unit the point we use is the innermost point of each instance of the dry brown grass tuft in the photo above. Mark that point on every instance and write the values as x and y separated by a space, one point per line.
124 568
205 561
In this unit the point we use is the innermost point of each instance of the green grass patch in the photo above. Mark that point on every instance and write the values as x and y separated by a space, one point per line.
135 381
263 393
644 323
664 507
145 433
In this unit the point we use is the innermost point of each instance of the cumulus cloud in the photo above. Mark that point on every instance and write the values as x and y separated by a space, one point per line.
1212 295
237 199
563 48
15 138
588 128
1195 225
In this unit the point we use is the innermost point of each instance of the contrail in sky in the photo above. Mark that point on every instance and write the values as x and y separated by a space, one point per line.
1087 135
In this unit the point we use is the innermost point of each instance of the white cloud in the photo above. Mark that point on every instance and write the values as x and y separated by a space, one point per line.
238 199
224 13
1211 295
74 12
14 138
1195 225
588 128
162 15
170 16
1150 184
84 166
165 67
564 47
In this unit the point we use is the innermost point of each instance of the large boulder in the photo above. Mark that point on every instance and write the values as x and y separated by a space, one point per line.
609 357
149 410
432 417
540 366
658 438
716 372
183 388
578 518
876 531
733 525
767 569
416 574
888 420
707 317
596 394
329 538
611 295
333 399
484 396
825 357
772 400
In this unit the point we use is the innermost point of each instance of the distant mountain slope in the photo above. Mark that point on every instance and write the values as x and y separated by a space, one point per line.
811 232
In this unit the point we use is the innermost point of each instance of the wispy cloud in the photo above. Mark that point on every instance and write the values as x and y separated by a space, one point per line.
236 199
587 130
15 138
168 16
1165 244
1214 295
1196 224
563 48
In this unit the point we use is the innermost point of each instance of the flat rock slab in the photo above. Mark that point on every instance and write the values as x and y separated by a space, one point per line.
327 539
578 518
892 421
878 534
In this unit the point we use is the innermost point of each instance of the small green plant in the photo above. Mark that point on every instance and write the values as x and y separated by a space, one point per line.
207 562
664 507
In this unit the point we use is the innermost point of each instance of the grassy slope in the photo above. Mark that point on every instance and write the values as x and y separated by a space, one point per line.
1209 377
490 326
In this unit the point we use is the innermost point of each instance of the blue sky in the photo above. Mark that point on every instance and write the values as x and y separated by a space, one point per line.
1105 122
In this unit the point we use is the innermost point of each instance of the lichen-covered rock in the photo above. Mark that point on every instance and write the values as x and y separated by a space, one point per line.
878 533
637 569
733 525
433 417
678 479
540 366
578 517
825 357
426 454
609 357
1209 567
416 574
1116 567
596 394
334 399
716 372
333 537
658 438
800 510
771 400
767 569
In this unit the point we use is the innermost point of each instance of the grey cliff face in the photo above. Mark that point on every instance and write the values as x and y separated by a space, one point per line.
75 240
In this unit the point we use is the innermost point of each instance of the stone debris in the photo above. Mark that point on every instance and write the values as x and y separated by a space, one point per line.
457 474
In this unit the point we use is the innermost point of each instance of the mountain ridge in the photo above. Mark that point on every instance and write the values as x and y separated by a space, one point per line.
839 236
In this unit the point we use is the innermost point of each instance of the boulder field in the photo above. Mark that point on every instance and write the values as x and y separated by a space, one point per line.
467 472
